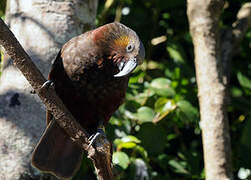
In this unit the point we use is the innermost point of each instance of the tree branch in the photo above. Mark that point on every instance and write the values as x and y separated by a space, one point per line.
101 155
243 22
231 38
203 18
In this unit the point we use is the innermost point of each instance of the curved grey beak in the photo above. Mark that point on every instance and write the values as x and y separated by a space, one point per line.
126 67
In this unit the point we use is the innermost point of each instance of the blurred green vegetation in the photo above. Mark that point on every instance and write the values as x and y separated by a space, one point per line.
2 12
156 133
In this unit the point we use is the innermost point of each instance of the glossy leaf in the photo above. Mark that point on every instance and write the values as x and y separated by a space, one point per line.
121 159
161 86
145 114
130 139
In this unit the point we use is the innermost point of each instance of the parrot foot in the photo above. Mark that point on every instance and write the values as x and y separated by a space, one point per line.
47 84
94 137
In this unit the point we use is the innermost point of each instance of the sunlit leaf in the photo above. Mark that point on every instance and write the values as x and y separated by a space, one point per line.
179 167
145 114
161 86
176 52
126 145
244 80
121 159
142 152
127 142
163 106
130 139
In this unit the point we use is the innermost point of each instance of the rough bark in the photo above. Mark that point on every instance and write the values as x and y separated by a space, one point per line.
213 50
41 27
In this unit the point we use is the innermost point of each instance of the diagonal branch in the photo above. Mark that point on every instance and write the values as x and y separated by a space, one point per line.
243 22
231 38
100 155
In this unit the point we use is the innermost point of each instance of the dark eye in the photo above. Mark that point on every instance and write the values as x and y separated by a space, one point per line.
129 48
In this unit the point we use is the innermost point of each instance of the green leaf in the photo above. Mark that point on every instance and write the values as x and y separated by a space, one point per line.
145 114
236 92
164 106
126 145
142 151
127 142
161 86
176 52
244 81
130 139
179 167
171 137
186 111
121 159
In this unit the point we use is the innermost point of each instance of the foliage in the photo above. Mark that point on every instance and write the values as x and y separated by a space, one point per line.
156 133
158 125
2 10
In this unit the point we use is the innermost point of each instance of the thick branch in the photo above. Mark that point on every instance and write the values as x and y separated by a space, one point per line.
101 155
203 18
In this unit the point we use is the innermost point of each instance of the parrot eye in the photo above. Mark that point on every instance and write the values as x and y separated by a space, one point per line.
129 48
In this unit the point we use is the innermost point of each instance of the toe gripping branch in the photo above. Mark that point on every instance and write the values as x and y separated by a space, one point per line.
47 84
99 134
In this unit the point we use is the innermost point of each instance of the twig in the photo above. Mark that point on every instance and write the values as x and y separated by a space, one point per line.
243 22
231 38
100 156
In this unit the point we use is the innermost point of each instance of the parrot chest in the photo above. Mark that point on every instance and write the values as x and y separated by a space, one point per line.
93 95
101 95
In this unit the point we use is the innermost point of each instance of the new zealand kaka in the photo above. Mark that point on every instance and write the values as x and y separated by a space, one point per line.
90 75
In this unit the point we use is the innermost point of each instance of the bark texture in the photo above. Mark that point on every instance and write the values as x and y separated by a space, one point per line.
41 27
213 50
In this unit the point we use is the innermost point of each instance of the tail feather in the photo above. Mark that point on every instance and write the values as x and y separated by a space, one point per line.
56 153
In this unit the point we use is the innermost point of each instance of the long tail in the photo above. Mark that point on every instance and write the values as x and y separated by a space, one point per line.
56 153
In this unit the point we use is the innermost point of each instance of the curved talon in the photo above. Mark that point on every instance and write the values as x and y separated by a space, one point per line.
94 137
47 84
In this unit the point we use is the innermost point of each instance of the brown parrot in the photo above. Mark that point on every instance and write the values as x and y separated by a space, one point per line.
90 75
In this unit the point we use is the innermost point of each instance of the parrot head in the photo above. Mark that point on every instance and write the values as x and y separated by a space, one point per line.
121 45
